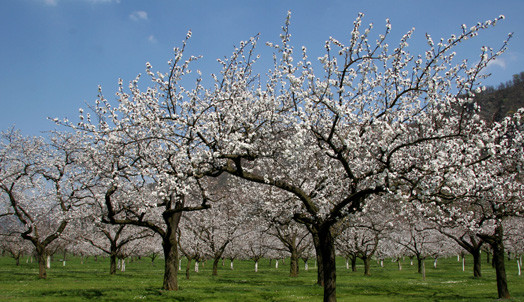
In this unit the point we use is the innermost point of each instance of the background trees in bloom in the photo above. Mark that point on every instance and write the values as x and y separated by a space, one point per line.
42 186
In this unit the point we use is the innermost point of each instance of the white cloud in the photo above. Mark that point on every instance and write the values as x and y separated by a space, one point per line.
138 15
51 2
498 62
103 1
152 39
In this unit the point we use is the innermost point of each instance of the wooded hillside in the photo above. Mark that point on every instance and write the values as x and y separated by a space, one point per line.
496 103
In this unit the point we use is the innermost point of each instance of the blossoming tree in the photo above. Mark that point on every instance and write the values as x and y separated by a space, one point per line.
331 134
335 137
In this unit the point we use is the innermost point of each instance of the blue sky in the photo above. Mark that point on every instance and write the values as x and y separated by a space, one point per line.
55 53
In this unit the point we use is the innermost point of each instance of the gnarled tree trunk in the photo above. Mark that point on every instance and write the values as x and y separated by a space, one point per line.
497 245
41 255
476 264
112 264
420 259
170 245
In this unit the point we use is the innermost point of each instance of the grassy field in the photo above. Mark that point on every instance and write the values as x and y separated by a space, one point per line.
142 281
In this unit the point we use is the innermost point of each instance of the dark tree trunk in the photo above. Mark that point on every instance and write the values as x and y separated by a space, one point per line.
113 251
153 257
170 246
498 260
472 246
419 264
41 255
112 265
293 263
320 262
367 265
215 266
217 257
353 263
170 267
188 267
327 249
476 264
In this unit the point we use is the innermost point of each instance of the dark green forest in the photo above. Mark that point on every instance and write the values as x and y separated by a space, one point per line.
505 99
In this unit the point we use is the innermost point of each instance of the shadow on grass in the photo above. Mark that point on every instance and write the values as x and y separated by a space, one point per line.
407 293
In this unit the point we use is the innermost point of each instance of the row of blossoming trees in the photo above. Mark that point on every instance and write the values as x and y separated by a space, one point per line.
367 131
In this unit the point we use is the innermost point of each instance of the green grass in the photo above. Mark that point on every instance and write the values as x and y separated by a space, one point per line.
142 281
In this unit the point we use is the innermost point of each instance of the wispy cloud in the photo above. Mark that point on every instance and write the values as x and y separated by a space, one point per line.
138 15
103 1
55 2
152 39
51 2
498 62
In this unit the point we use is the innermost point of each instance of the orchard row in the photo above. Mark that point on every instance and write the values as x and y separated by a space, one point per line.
371 151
